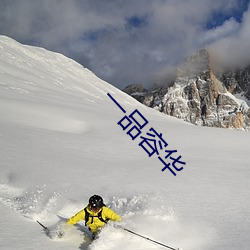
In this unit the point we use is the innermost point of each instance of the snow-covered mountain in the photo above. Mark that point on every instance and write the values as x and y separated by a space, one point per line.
62 139
201 95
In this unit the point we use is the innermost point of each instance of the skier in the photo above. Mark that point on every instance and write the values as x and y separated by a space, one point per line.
95 214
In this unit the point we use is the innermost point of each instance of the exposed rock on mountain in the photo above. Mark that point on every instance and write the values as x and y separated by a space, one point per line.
137 91
237 81
199 96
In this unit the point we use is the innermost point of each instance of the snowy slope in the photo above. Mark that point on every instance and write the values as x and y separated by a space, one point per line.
60 143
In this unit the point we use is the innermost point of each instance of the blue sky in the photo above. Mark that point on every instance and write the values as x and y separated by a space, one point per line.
218 17
131 41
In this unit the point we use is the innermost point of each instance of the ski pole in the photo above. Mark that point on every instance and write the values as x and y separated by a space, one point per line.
146 238
45 228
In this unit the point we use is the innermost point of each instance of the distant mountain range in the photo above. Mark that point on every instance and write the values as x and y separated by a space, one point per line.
201 94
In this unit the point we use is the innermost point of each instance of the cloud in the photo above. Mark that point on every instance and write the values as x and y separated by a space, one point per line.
125 42
228 28
233 49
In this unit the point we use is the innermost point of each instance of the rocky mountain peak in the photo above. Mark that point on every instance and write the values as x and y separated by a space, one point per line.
200 96
196 64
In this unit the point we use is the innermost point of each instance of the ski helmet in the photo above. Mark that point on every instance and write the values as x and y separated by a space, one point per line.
96 202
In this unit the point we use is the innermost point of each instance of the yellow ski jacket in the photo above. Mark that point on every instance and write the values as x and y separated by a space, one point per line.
94 223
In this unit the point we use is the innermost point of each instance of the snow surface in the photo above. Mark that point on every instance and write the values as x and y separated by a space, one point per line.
60 143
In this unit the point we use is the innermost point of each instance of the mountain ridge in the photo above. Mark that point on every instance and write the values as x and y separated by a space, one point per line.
201 95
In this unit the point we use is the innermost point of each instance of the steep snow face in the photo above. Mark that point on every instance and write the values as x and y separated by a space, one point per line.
60 143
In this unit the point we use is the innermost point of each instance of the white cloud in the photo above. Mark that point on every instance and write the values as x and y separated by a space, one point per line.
233 50
97 32
228 28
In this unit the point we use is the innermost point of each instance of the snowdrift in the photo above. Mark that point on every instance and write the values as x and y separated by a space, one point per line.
60 143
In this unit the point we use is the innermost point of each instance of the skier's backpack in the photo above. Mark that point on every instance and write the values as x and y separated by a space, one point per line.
88 216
